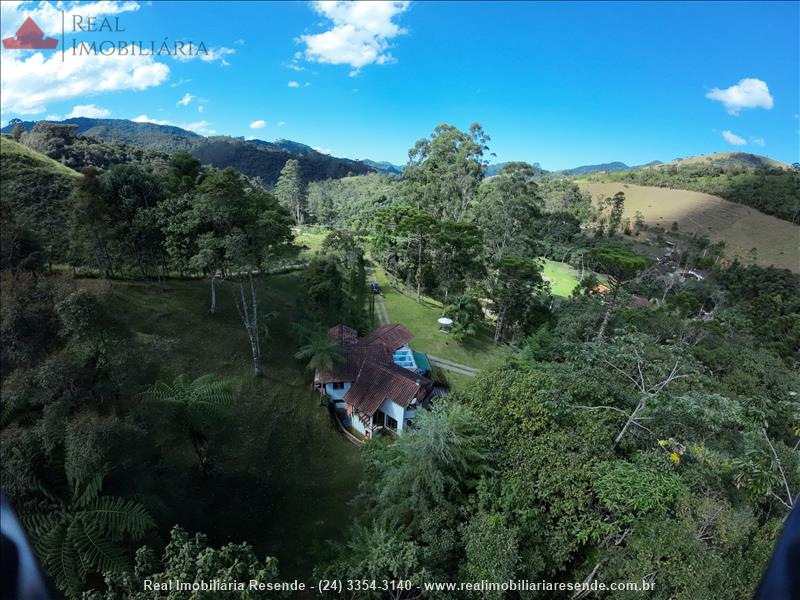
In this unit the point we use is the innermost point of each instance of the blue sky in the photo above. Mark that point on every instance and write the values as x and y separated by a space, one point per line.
560 84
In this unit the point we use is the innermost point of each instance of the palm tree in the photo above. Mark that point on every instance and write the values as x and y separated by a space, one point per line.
83 535
321 352
198 401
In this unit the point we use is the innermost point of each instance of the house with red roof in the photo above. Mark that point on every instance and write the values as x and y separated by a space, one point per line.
380 383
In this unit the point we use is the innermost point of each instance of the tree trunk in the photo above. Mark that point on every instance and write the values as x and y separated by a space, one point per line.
500 325
249 315
419 269
213 308
612 304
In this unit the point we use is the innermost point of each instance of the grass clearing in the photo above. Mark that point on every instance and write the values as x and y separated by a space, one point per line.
309 239
282 475
420 319
562 277
777 242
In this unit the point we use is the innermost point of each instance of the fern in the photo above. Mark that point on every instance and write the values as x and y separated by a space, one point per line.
84 535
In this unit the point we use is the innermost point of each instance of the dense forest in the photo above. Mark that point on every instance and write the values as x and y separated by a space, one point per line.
160 319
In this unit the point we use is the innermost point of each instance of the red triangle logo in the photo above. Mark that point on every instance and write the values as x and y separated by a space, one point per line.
30 37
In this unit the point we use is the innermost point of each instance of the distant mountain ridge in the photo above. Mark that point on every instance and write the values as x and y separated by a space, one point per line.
254 158
611 167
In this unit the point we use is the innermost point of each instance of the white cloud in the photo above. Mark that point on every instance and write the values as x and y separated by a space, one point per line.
201 108
748 93
359 36
293 84
258 124
323 150
88 110
732 138
239 42
179 82
146 119
53 118
201 127
211 55
758 141
281 123
32 80
187 97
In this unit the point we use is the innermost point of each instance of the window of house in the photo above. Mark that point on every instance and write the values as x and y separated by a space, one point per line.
338 385
391 423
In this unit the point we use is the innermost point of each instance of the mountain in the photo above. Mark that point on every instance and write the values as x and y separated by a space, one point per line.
494 169
728 161
257 158
383 166
254 158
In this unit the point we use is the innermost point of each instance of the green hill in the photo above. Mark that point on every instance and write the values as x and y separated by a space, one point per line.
756 181
749 235
34 191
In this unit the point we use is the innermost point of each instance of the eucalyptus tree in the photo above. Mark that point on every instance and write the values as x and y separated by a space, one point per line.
198 403
444 171
506 209
290 190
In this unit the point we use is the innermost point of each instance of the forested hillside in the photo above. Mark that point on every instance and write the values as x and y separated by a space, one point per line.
254 158
744 178
162 320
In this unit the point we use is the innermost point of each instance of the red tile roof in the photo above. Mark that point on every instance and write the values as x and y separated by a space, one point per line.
368 365
343 333
393 335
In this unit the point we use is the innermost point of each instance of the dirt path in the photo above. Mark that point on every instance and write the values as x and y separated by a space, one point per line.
449 365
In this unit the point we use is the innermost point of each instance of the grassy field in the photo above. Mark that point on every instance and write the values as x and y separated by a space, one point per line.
777 242
282 476
420 319
562 277
310 239
14 151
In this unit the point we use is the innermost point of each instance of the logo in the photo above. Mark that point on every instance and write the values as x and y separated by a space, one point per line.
30 37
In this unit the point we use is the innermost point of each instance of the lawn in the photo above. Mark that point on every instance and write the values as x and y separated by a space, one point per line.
562 277
282 475
310 239
420 319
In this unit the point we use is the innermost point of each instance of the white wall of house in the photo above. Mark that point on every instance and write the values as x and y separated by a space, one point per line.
395 411
335 394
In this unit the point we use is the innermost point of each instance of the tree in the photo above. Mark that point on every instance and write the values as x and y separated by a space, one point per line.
16 129
190 559
456 254
621 267
321 351
467 314
403 234
291 191
508 206
517 281
444 172
433 464
379 552
198 403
